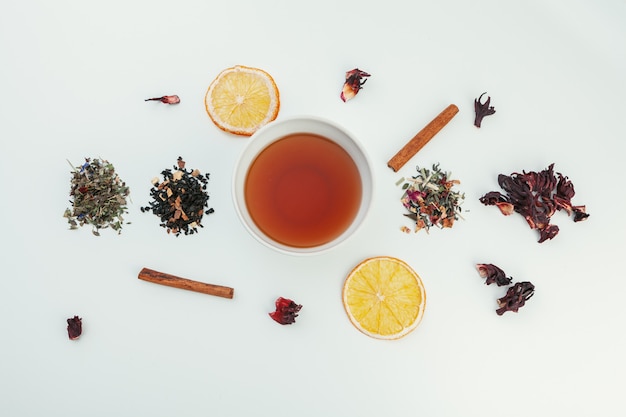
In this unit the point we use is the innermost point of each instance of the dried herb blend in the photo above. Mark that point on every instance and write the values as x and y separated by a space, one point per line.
74 327
482 109
180 200
430 199
286 311
98 197
536 196
353 84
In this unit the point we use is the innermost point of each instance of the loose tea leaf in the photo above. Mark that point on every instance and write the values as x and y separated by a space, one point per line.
482 109
430 200
180 199
353 84
98 197
536 196
74 327
286 311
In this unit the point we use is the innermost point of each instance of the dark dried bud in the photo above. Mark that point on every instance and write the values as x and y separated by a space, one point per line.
548 232
493 274
74 327
515 297
286 311
482 109
354 83
165 99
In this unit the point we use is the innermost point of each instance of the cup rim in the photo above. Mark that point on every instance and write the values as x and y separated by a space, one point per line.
252 150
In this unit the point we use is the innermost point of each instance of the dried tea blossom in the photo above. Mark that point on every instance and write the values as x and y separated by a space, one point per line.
98 197
354 83
536 196
165 99
74 327
430 199
482 109
286 311
515 298
493 274
180 199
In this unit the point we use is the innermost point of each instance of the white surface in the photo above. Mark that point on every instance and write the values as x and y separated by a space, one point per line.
74 77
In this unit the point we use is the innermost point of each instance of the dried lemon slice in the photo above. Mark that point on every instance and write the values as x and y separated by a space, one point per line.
384 298
242 99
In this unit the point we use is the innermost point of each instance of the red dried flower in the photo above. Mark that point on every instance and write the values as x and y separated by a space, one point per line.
354 82
74 327
286 311
165 99
536 196
493 274
515 297
482 109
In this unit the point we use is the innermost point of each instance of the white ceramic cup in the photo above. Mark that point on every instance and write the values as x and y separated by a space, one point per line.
278 129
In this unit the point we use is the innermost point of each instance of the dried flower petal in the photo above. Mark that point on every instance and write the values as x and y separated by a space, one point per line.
536 196
354 82
482 109
74 327
165 99
493 274
515 297
286 311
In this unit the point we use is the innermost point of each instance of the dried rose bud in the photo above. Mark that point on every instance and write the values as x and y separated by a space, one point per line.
354 82
74 327
515 297
482 109
493 274
286 311
165 99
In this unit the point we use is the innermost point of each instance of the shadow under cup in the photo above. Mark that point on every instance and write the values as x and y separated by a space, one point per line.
302 185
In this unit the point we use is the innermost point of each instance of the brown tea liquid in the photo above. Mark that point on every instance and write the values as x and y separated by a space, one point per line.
303 190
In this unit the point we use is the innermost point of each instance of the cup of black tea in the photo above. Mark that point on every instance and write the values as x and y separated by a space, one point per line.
302 185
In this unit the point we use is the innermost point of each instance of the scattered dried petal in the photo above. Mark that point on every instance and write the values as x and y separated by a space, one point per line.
536 196
74 327
482 109
165 99
515 297
354 82
286 311
493 274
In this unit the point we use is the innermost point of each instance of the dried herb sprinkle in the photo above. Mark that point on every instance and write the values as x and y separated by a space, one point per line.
180 200
98 196
430 199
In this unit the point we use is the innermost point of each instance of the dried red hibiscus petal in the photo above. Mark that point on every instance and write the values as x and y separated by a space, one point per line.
493 274
286 311
74 327
536 196
515 297
482 109
354 82
165 99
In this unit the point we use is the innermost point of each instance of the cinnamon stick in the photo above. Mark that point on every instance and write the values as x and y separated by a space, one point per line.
184 283
422 138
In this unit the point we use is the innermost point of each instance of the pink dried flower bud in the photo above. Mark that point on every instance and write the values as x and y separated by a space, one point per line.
165 99
354 82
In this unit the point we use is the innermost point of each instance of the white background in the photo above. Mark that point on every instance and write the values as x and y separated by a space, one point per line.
74 76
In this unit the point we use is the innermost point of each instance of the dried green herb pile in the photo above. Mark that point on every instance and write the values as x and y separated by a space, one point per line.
98 196
430 199
180 199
